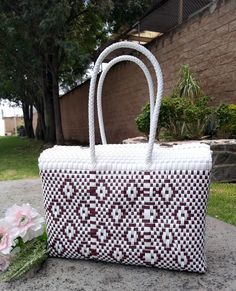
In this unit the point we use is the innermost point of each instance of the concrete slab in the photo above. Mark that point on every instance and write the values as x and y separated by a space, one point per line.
78 275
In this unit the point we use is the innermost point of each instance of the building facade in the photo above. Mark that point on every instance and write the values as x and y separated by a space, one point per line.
206 42
11 124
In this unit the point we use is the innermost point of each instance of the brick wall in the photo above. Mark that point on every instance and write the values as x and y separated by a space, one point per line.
74 111
207 42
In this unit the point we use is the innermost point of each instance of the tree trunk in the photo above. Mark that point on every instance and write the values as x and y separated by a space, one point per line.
56 101
40 128
52 112
28 119
49 121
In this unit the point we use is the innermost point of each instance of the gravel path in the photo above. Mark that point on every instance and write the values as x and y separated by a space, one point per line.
78 275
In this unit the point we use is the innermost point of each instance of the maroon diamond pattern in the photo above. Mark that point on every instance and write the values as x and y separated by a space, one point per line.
152 218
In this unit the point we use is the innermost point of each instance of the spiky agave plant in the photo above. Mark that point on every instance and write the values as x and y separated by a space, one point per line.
188 86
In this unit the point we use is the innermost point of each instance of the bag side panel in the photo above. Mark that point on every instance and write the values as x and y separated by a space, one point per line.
152 218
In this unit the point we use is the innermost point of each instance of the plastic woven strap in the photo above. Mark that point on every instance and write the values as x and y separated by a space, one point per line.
101 82
154 120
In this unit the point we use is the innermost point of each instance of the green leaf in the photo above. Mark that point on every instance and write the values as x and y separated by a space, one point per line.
43 237
32 254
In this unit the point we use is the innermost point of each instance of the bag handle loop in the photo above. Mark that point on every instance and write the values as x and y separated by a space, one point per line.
153 121
101 82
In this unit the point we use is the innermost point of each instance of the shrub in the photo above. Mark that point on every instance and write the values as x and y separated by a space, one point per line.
21 130
187 115
226 115
143 120
166 114
211 125
179 118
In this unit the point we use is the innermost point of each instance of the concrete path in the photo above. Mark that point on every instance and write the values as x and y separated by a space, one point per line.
63 275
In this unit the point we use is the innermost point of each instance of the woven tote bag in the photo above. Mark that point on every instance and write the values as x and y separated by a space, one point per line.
140 204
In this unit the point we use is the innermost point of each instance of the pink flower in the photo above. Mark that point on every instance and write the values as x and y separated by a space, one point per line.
6 238
25 221
4 262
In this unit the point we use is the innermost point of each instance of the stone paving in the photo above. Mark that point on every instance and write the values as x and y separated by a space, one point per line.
80 275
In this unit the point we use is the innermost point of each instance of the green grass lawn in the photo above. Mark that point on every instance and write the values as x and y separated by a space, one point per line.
19 160
222 202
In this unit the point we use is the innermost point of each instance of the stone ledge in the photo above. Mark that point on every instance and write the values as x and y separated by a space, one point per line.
224 157
224 173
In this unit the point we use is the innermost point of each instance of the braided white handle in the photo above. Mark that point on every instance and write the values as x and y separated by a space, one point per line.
154 120
100 86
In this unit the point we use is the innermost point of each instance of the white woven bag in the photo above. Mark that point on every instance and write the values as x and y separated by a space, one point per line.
140 204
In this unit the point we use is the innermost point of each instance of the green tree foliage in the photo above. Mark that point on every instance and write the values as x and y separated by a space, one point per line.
58 37
122 13
48 44
17 77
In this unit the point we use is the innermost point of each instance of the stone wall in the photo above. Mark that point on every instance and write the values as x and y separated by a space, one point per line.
224 162
207 42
